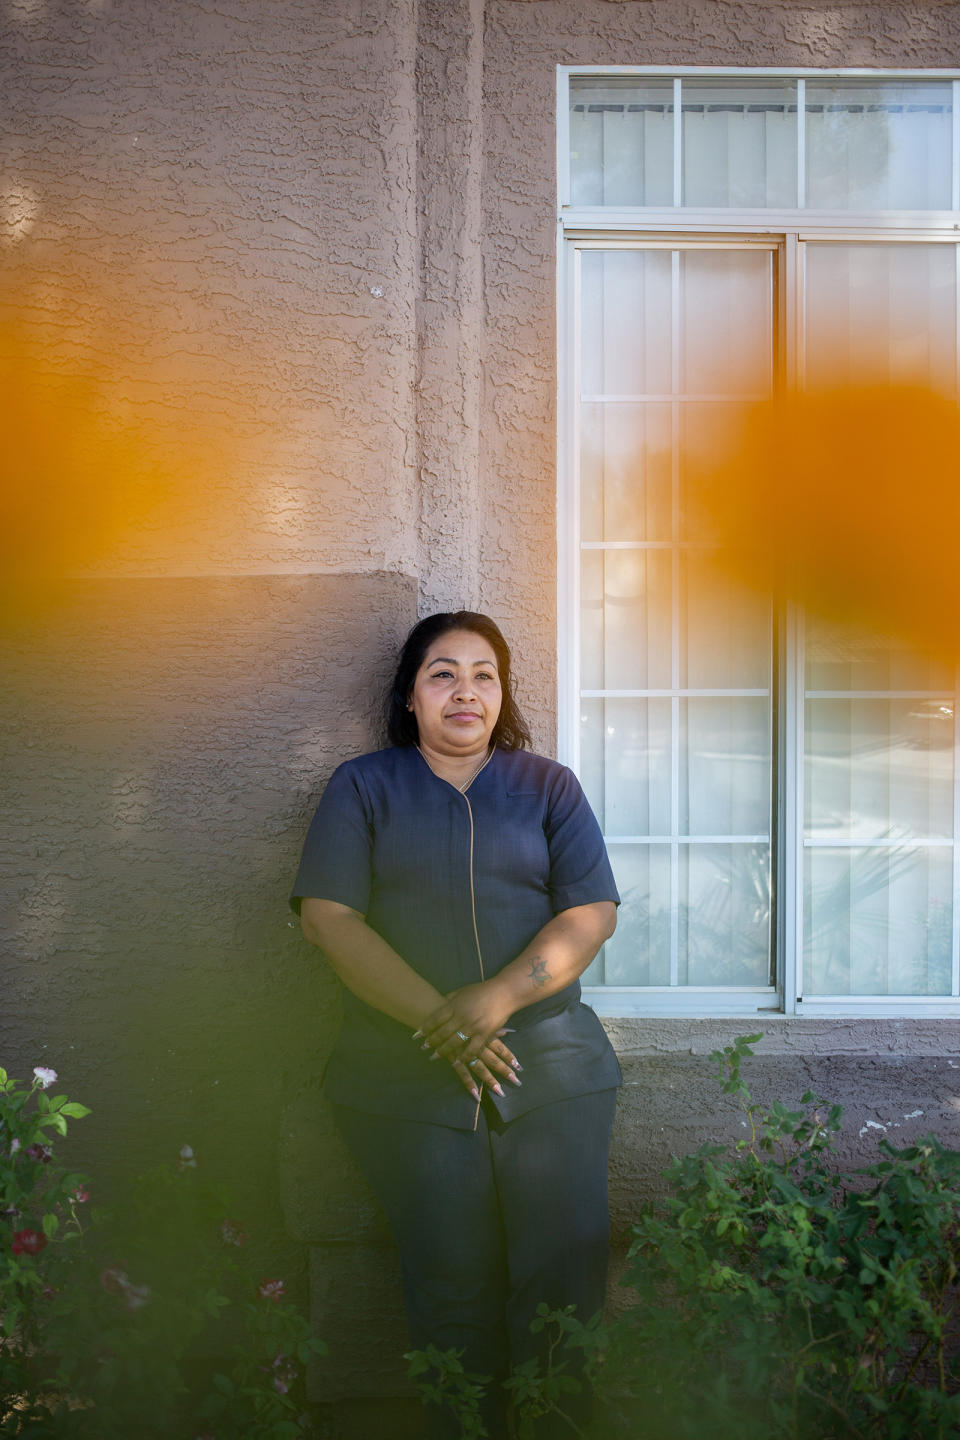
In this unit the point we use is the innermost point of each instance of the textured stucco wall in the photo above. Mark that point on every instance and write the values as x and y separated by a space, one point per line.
212 204
309 247
158 787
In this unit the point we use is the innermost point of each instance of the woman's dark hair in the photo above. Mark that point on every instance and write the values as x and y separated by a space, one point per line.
510 731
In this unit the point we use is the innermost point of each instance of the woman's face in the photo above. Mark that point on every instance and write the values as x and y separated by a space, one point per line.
456 695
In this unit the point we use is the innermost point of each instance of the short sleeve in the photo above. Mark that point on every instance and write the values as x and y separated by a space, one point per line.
335 864
580 871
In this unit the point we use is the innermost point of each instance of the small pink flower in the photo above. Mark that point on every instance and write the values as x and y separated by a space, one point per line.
270 1290
43 1153
232 1233
80 1196
28 1242
45 1076
14 1145
186 1160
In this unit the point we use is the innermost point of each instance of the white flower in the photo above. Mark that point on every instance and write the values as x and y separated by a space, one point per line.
186 1160
45 1076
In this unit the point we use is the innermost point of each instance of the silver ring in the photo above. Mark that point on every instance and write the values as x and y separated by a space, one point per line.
474 1061
463 1037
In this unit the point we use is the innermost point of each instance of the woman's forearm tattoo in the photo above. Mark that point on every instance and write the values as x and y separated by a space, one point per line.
539 973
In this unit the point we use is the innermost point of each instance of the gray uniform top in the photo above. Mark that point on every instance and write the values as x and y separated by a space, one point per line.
459 884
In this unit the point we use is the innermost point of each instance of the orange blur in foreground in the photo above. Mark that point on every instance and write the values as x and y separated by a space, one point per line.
72 479
102 470
848 500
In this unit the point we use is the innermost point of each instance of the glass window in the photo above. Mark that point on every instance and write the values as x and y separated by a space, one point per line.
621 142
879 726
725 752
881 313
750 143
675 669
740 143
878 145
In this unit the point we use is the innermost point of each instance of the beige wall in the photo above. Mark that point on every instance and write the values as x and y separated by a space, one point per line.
305 253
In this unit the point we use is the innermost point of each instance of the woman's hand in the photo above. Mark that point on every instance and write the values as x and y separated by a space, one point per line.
478 1012
495 1061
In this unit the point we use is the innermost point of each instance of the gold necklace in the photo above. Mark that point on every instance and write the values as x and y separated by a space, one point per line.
470 778
467 783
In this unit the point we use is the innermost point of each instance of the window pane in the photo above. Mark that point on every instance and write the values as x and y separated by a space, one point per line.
625 620
740 143
625 322
724 629
707 430
877 921
847 657
625 472
625 754
639 953
724 915
725 322
621 142
883 313
878 145
725 771
879 768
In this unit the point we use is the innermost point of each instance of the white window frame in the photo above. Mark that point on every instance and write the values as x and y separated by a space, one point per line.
577 227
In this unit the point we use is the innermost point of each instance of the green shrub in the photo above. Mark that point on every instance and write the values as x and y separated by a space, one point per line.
104 1320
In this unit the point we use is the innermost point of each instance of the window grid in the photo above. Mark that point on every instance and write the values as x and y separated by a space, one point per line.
676 546
798 107
723 228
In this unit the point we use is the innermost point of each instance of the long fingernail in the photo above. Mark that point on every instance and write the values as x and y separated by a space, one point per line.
516 1064
476 1094
425 1045
435 1055
498 1089
416 1035
514 1079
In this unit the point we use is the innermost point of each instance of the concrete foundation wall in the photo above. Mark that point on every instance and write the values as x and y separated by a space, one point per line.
304 254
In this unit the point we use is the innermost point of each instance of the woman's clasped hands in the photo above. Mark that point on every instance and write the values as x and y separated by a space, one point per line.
466 1030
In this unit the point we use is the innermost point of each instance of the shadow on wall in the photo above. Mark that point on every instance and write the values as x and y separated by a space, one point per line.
165 743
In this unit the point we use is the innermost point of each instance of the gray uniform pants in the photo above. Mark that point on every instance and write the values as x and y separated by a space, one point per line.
489 1223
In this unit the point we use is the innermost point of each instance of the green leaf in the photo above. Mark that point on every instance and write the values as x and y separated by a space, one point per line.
75 1110
50 1226
223 1383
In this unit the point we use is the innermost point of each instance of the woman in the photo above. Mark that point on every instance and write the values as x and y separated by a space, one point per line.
458 885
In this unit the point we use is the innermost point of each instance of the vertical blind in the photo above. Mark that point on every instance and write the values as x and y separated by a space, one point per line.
677 707
837 144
